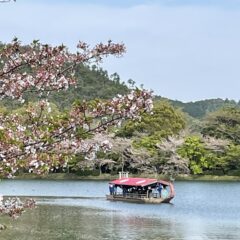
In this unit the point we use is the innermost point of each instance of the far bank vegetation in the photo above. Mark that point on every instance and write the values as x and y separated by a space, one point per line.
178 138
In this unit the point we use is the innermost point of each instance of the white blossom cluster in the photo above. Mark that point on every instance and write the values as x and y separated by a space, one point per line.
14 207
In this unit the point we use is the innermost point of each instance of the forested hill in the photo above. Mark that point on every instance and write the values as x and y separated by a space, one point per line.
92 82
199 109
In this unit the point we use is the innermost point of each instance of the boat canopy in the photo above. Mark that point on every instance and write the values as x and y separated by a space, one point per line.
134 182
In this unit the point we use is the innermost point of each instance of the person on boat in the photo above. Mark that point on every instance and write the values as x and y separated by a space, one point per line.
164 193
159 189
114 190
111 189
149 192
124 191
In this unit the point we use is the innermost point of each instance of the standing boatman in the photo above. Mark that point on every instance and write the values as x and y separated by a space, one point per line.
111 189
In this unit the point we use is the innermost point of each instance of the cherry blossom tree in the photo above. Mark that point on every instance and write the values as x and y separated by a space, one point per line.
38 140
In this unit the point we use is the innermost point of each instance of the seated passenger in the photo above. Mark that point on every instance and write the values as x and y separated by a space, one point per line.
115 190
164 193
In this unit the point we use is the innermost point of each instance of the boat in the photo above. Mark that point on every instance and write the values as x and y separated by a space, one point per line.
141 190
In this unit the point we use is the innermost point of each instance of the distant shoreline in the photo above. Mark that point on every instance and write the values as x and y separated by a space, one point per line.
108 177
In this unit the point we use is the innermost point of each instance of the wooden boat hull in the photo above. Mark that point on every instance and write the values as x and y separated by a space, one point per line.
139 200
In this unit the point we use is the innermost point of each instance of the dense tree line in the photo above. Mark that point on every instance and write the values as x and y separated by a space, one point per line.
160 142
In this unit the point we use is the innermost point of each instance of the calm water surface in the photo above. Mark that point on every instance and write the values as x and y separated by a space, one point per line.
200 210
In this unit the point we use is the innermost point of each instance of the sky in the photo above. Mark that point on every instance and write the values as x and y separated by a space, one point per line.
182 49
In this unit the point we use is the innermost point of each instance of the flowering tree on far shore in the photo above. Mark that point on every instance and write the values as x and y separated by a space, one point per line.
38 140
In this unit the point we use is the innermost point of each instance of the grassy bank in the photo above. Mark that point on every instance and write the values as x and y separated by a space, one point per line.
208 178
65 176
71 176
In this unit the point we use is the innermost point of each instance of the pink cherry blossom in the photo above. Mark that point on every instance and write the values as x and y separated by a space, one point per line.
38 141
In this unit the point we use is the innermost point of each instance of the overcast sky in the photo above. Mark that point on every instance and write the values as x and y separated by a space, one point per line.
182 49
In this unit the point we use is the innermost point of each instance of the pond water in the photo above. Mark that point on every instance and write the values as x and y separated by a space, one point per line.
78 210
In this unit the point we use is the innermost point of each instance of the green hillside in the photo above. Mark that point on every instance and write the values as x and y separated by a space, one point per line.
92 82
200 109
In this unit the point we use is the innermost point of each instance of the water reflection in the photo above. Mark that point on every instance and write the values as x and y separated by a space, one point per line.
58 222
61 222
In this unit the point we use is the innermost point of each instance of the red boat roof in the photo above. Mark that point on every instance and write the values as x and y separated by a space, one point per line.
136 182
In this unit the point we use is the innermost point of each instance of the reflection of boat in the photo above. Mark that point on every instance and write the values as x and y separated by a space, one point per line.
141 190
